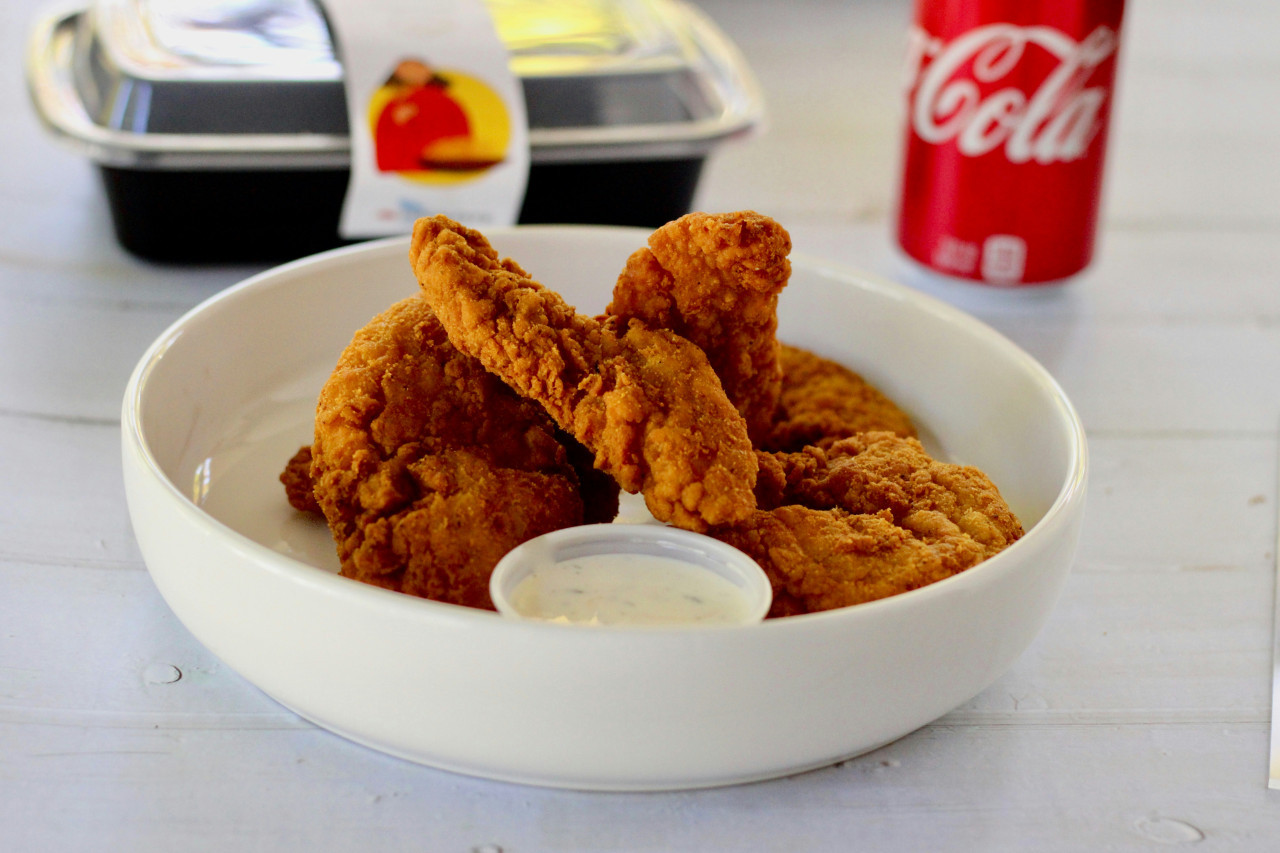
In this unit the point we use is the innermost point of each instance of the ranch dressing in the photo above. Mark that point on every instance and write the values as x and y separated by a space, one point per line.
629 589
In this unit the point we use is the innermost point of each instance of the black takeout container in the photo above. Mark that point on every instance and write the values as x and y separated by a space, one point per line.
220 129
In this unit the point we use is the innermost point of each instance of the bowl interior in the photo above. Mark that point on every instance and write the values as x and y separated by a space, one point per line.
228 394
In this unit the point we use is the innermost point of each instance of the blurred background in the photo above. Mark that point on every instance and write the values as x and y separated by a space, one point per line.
1188 120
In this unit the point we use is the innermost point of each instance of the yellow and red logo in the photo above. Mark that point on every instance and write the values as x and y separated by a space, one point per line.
437 126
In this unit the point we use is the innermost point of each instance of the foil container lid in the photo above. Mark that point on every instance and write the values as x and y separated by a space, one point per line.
174 84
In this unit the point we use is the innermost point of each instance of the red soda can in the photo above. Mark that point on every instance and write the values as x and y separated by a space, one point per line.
1007 108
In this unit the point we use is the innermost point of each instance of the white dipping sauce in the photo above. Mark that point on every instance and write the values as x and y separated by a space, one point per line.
629 589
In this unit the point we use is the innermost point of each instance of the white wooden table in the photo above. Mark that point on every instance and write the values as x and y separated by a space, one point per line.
1137 720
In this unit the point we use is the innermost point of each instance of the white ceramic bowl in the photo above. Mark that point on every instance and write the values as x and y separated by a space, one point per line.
224 397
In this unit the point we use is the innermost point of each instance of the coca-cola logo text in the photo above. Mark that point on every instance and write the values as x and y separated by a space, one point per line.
1055 123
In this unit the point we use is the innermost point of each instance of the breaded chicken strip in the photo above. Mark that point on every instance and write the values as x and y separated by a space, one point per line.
870 517
296 478
875 471
429 469
598 490
823 559
645 402
822 402
715 279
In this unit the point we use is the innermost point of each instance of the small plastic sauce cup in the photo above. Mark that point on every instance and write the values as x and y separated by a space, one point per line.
630 575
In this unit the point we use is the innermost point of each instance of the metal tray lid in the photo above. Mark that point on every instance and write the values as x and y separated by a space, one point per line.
170 84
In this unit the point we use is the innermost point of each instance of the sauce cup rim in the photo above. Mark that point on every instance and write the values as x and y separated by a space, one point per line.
642 540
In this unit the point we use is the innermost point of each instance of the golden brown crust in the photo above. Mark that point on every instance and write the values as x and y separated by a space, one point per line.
645 402
488 411
296 478
876 471
870 517
823 559
821 402
715 279
427 468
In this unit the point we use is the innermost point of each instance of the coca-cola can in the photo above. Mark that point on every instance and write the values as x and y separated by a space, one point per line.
1007 112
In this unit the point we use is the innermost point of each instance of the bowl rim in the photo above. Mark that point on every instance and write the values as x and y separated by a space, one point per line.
326 582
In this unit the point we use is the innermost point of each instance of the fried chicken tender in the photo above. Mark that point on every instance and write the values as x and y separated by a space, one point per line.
427 468
869 517
715 279
599 491
875 471
296 478
822 402
645 402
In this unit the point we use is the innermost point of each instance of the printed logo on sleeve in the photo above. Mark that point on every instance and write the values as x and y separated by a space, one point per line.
437 126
